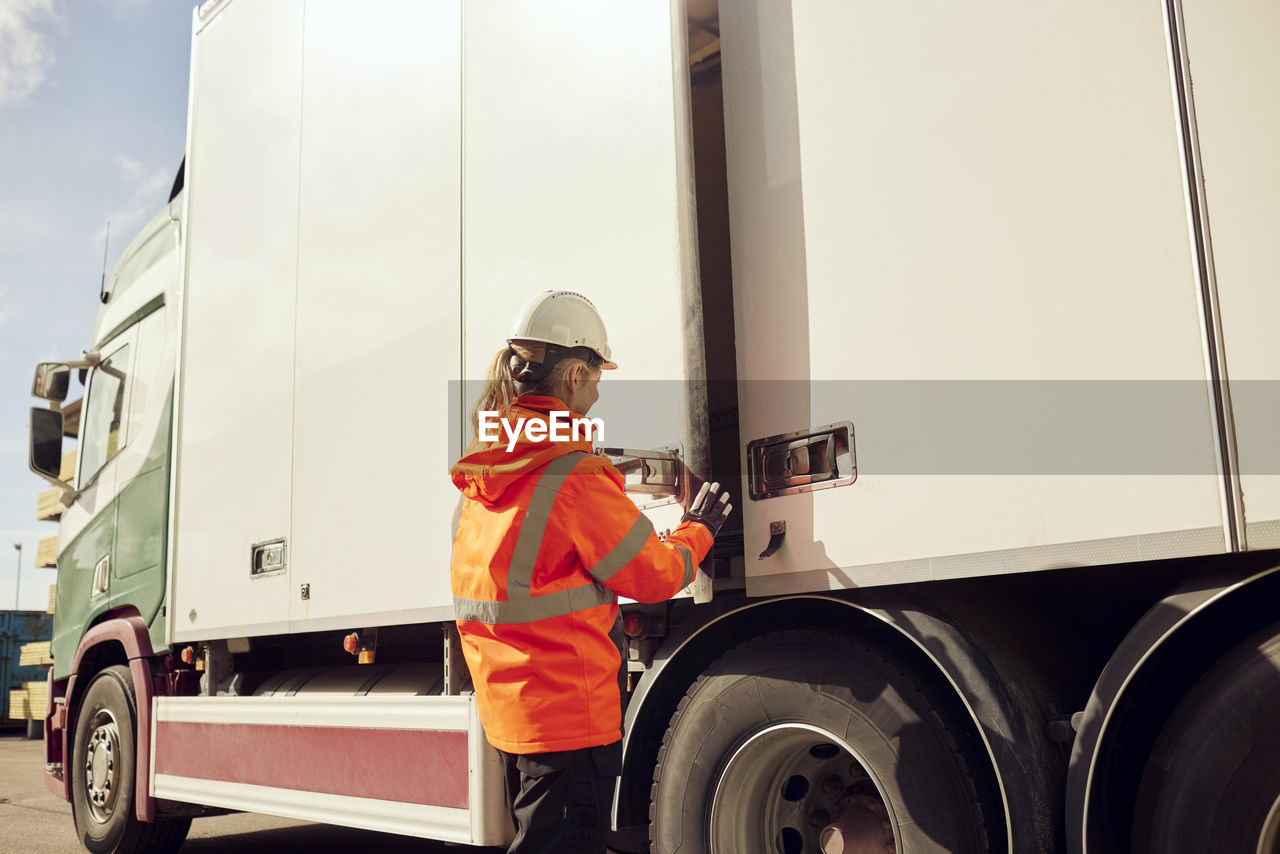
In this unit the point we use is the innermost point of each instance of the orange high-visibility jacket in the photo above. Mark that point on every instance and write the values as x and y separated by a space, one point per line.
545 541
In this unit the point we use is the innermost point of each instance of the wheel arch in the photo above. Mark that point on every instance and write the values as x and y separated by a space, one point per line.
120 637
1160 658
973 680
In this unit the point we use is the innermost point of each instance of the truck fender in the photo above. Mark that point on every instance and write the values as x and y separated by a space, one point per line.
1152 651
126 628
1003 725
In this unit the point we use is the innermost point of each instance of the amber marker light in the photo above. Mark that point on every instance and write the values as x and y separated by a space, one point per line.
633 625
188 655
351 643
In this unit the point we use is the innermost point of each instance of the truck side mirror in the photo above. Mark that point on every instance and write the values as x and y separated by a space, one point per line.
45 456
53 380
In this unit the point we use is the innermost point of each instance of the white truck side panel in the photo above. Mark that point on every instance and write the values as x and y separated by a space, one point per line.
235 423
574 178
355 174
1236 73
925 194
378 309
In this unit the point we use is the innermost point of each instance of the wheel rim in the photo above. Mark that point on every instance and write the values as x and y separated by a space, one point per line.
1269 839
799 789
102 784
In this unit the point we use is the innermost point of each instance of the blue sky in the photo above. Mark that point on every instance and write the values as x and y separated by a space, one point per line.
93 98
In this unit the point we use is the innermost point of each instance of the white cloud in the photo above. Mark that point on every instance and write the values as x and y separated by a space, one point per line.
128 164
24 56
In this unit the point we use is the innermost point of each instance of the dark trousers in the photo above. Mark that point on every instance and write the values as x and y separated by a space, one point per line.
560 801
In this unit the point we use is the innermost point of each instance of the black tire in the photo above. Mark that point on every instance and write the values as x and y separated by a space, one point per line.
1212 782
103 763
790 734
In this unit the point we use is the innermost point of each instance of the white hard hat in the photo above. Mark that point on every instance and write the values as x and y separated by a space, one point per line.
565 319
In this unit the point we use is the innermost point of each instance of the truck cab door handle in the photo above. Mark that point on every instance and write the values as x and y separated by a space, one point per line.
100 576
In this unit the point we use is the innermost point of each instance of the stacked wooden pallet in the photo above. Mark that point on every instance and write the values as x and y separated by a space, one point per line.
29 701
71 418
49 508
67 471
48 505
19 705
47 553
35 654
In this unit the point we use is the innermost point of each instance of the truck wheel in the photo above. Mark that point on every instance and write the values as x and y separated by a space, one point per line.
102 774
805 742
1212 782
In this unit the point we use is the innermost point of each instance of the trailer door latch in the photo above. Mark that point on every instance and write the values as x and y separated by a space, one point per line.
817 458
655 474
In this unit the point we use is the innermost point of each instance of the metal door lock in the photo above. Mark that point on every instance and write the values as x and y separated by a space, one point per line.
788 463
268 558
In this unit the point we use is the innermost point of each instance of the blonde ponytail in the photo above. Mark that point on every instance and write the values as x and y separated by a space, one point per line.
501 387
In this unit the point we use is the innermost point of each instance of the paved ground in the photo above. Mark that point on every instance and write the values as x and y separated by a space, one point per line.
33 821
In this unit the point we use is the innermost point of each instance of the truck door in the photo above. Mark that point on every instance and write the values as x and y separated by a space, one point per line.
377 335
372 193
87 533
235 383
966 233
580 180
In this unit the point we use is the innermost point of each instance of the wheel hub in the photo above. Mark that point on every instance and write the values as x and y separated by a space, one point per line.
794 788
102 766
862 827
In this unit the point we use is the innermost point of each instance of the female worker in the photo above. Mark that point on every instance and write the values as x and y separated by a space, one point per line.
545 542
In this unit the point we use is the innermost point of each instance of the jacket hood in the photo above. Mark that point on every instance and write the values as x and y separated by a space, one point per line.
489 468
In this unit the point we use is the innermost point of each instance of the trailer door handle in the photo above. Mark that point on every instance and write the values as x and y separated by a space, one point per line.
647 472
817 458
267 558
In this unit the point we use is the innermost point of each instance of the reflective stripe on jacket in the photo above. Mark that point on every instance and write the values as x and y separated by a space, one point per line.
545 541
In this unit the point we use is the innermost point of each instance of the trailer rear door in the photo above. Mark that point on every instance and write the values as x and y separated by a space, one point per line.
964 230
577 176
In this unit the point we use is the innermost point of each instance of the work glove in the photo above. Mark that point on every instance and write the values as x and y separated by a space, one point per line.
709 507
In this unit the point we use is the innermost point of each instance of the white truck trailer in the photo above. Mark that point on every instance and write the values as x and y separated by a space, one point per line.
974 303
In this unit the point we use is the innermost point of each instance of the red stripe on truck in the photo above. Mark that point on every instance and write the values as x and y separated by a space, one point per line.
408 766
